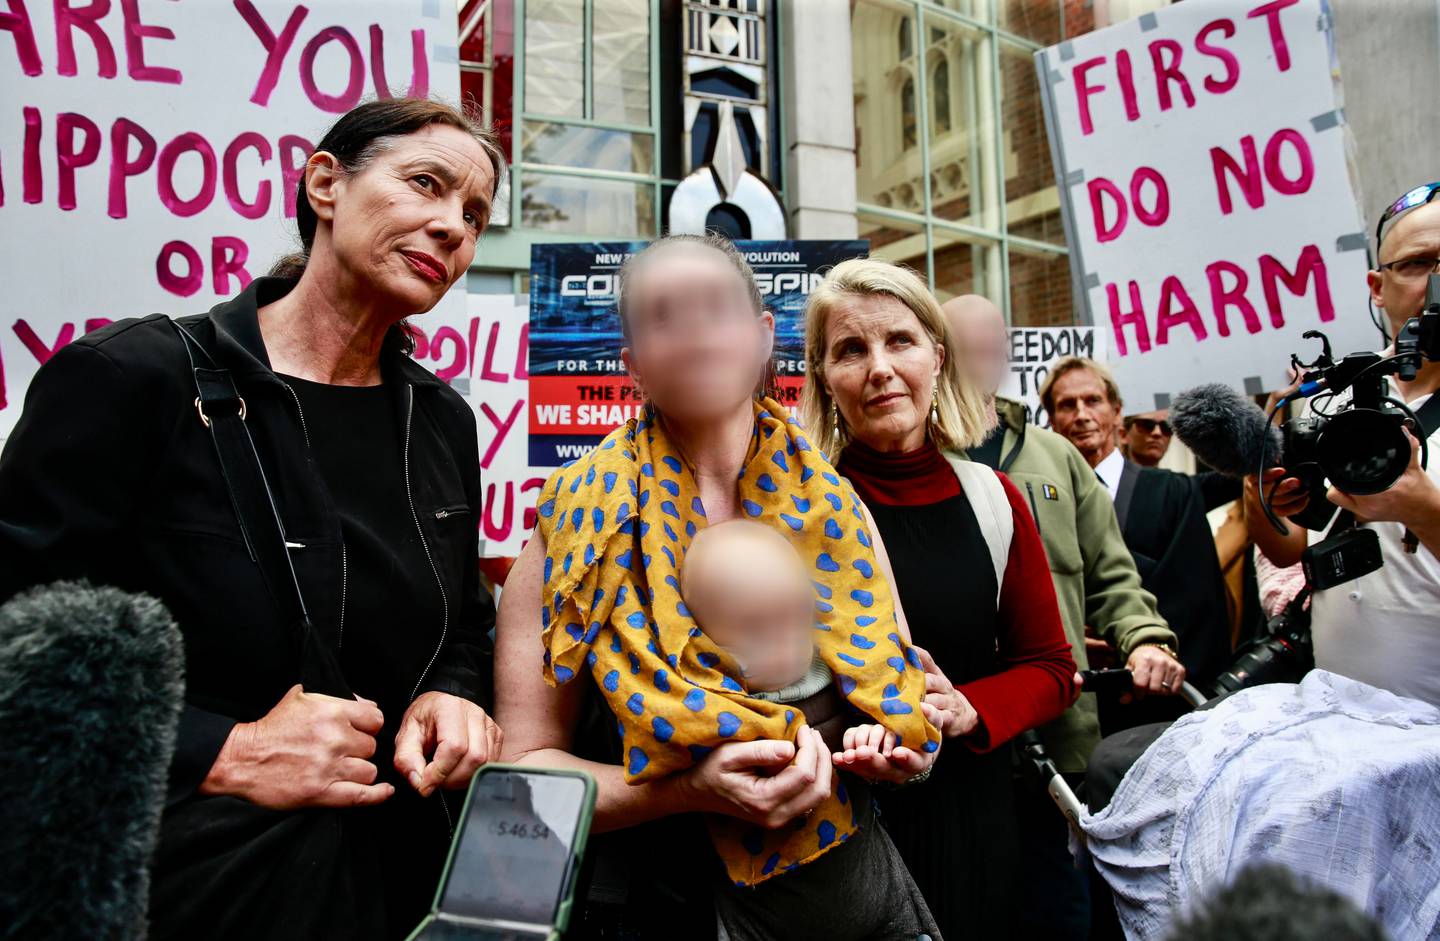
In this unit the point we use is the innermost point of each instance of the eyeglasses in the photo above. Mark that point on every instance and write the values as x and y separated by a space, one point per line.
1419 196
1412 269
1148 425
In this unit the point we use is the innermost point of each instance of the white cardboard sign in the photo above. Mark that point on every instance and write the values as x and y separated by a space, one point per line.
1034 350
149 151
1201 157
482 349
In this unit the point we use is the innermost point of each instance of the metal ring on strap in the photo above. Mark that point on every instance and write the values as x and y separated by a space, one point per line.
205 419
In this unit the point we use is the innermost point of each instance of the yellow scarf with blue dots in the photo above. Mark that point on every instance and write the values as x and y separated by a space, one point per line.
616 525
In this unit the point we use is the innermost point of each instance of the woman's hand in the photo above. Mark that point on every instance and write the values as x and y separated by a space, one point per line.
456 735
308 751
949 710
769 782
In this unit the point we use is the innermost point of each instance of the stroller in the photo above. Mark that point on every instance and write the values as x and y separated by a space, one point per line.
1330 778
1282 653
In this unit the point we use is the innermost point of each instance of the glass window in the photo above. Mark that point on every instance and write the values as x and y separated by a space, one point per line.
966 264
620 61
1040 293
966 193
555 57
591 148
586 162
896 241
487 70
940 98
587 206
1032 202
963 184
909 135
889 161
1036 20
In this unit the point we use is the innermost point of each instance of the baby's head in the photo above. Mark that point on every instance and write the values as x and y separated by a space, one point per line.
749 591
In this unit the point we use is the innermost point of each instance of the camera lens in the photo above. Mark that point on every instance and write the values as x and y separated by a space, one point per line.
1363 451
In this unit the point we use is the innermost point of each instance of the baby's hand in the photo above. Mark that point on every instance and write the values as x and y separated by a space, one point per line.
864 742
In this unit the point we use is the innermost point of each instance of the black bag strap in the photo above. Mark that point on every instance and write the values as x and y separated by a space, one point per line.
222 410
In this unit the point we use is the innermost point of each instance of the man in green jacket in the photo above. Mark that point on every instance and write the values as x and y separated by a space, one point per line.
1095 583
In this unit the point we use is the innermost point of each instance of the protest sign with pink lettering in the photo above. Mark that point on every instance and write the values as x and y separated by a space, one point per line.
149 150
482 349
1201 155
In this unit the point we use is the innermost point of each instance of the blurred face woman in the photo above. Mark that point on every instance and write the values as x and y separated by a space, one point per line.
698 342
335 661
698 347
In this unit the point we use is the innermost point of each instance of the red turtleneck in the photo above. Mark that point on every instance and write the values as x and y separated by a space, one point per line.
1035 684
899 478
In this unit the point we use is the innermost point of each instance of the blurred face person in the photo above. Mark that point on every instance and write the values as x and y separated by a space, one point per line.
982 341
1082 410
751 594
1408 255
880 369
1147 437
698 341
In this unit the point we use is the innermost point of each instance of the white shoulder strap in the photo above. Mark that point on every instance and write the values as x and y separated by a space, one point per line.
992 509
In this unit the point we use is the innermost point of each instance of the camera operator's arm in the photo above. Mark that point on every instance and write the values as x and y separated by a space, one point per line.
1413 500
1288 497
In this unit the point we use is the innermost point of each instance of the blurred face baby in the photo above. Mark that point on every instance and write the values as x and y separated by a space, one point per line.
750 593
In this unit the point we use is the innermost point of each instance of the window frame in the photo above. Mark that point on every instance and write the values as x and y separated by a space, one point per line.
519 167
921 14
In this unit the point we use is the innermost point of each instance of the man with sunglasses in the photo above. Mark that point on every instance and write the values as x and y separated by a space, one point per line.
1383 628
1146 437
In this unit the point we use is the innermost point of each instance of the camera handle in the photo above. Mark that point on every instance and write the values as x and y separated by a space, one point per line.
1275 521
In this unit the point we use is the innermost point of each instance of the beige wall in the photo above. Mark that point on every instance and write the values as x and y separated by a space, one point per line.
1389 52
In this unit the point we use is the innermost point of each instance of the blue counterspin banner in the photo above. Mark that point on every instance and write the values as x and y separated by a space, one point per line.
578 387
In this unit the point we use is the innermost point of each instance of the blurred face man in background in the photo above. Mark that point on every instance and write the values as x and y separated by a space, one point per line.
982 343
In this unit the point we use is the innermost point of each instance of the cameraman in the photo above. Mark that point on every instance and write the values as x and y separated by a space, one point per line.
1384 627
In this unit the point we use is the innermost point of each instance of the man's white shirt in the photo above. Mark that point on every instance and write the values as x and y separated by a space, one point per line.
1384 628
1109 471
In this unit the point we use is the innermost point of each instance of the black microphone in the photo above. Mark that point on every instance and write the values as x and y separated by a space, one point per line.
91 686
1226 430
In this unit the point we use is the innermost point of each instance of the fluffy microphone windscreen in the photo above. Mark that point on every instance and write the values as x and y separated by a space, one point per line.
91 686
1225 429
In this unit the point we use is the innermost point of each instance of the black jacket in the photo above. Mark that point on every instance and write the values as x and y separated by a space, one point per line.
1162 517
111 476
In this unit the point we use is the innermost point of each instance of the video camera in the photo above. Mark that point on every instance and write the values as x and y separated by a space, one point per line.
1359 446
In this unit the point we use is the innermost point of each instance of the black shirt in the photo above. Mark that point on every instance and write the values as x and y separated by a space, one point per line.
357 439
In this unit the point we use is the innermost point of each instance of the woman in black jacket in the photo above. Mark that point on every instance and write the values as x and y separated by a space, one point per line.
305 795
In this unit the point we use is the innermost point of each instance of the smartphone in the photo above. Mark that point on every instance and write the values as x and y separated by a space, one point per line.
514 858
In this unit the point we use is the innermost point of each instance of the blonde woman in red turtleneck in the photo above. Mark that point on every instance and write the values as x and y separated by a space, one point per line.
884 398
